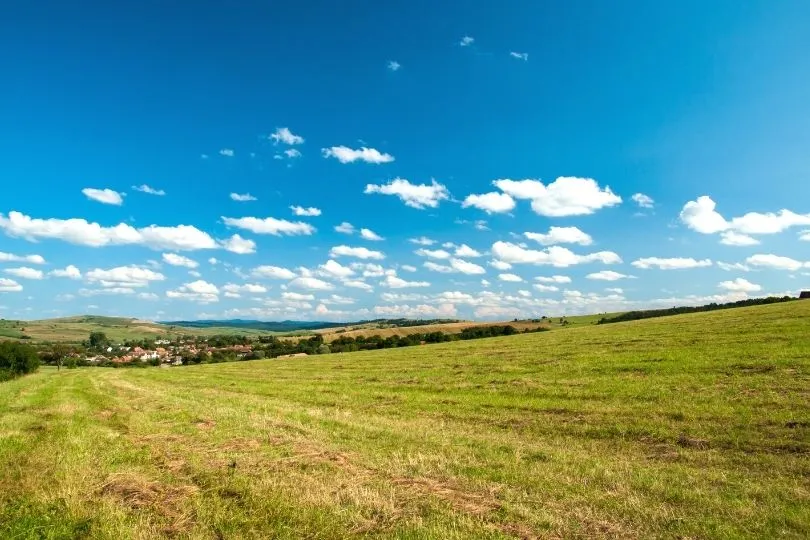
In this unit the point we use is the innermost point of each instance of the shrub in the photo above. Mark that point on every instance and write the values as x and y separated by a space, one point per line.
17 359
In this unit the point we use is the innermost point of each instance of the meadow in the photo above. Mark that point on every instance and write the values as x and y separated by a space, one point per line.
692 426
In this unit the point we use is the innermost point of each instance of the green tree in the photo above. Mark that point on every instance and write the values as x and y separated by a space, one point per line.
17 359
59 352
98 340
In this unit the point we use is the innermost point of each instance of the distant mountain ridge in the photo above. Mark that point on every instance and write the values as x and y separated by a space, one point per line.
291 326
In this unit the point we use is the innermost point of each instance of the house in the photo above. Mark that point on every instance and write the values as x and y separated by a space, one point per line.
162 342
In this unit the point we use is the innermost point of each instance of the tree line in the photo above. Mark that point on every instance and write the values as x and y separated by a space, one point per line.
651 313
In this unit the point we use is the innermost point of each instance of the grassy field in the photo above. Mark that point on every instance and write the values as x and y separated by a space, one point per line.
695 426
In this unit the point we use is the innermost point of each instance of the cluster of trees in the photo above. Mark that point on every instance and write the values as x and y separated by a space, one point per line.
17 359
650 313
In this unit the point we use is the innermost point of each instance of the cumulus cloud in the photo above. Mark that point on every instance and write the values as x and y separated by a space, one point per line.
80 232
804 236
433 253
731 238
292 153
198 291
393 65
500 265
69 271
31 259
143 188
345 228
733 267
422 241
419 196
334 269
9 285
491 203
240 246
740 285
344 154
394 282
408 268
466 267
510 277
247 288
674 263
561 235
368 234
243 197
435 267
227 152
308 212
545 288
701 216
359 252
25 272
124 276
566 196
272 272
554 255
466 41
520 55
311 284
174 259
269 225
776 262
466 251
642 200
284 135
553 279
104 196
358 284
608 275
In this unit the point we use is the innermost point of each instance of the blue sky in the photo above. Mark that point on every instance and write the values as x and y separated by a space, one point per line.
560 157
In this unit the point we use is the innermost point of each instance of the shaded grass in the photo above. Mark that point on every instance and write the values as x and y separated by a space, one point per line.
695 426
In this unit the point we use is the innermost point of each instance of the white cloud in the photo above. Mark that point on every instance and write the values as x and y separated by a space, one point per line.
776 262
272 272
520 56
148 296
109 291
105 196
243 197
500 265
269 225
359 252
731 238
370 269
292 153
435 267
466 251
25 272
309 212
79 231
248 288
357 284
408 268
553 279
227 152
9 285
545 288
466 41
213 261
561 235
674 263
433 253
643 201
422 241
804 236
608 275
197 291
368 234
194 273
345 228
334 269
490 203
70 272
143 188
466 267
124 276
701 216
297 297
240 246
419 196
394 282
566 196
739 285
311 284
286 136
32 259
344 154
393 65
510 277
178 260
733 267
554 255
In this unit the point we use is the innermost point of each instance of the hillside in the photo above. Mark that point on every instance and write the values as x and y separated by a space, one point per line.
691 426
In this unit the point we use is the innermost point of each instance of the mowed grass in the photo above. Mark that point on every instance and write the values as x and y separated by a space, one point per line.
695 426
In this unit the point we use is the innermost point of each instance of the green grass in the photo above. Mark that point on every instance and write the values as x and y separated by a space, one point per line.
694 426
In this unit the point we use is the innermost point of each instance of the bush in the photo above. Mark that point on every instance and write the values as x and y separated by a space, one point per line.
17 359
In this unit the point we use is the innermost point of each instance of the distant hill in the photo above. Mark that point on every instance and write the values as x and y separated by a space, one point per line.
292 326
